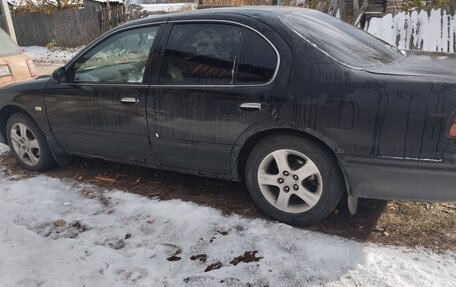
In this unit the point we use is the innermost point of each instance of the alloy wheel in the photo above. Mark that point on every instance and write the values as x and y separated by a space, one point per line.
290 181
25 144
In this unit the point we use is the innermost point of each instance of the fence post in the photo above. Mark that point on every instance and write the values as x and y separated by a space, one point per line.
9 21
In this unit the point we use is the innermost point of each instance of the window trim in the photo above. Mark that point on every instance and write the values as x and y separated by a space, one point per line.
70 65
222 85
113 33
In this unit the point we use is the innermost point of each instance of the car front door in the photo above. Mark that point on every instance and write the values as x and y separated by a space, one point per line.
213 84
100 109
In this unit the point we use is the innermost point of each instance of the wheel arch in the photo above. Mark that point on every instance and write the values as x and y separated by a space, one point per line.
6 112
249 144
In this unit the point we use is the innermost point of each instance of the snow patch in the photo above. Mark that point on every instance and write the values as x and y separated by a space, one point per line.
54 55
3 149
18 3
168 7
129 240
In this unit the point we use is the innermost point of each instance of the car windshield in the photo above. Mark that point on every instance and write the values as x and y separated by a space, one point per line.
341 41
7 46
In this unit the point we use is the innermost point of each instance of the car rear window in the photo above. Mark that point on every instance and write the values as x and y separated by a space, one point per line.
341 41
202 54
7 46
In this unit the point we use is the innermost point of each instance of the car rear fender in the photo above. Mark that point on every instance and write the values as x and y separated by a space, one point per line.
250 137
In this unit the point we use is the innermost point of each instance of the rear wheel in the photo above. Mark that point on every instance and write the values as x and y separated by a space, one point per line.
28 143
294 180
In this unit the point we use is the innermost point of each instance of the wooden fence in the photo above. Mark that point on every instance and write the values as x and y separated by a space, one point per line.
433 30
112 17
67 28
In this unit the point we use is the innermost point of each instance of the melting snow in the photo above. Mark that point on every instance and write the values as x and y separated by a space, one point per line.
168 7
129 240
53 55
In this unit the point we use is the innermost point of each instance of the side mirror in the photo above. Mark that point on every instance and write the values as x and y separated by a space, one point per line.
59 75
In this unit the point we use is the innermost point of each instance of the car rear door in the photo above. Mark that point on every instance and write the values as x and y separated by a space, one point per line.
212 85
101 109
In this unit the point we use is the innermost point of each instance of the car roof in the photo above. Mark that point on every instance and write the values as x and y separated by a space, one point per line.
264 13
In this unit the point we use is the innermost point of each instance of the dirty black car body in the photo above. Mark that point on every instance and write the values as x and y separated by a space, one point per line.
382 125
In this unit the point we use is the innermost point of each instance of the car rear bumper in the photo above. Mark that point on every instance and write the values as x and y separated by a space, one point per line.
400 179
12 80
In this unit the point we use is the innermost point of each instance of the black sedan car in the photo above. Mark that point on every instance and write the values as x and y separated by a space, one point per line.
303 107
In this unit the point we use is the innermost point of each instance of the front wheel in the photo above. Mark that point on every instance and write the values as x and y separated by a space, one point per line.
294 180
28 143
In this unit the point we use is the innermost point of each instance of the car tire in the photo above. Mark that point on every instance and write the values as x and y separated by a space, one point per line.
28 143
293 179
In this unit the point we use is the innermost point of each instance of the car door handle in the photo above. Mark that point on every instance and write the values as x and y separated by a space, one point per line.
250 106
129 100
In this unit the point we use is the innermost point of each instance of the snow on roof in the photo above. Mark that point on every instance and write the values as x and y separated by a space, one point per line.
39 2
18 3
167 7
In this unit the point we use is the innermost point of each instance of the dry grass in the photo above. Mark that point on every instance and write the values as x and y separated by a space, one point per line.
428 224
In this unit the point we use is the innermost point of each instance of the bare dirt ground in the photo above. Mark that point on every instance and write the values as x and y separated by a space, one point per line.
430 225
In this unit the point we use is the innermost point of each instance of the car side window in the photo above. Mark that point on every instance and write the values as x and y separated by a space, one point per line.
120 59
257 60
200 54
